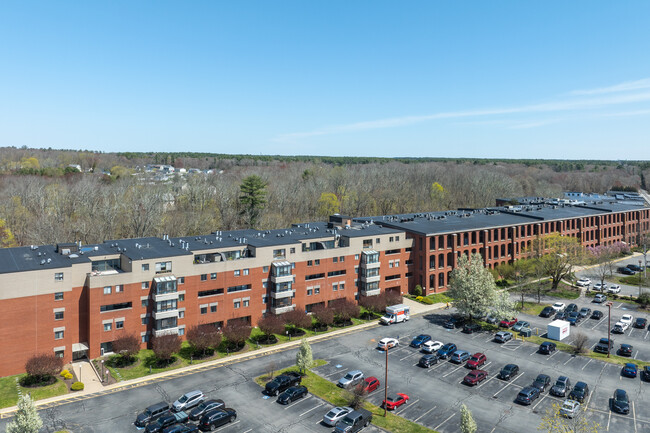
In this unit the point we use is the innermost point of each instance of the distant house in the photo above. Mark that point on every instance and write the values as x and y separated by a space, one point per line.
75 166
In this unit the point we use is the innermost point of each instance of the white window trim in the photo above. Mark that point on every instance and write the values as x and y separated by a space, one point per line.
59 329
58 310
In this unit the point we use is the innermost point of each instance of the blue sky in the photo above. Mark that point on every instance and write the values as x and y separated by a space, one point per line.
499 79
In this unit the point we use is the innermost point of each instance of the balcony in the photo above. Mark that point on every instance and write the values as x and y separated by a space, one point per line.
166 314
282 310
166 331
371 292
373 279
282 279
281 294
165 296
370 265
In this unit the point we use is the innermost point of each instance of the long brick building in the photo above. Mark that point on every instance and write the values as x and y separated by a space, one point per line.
74 299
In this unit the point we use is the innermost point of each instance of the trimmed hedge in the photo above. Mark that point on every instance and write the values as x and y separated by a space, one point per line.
77 386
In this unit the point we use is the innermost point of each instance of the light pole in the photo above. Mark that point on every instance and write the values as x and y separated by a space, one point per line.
609 327
386 383
639 278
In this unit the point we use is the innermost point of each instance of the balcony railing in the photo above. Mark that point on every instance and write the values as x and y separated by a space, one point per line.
372 292
372 279
283 309
166 331
165 296
282 294
165 314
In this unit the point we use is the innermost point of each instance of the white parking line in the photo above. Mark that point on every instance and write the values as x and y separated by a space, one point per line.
567 361
297 401
553 354
583 367
250 430
646 334
455 369
440 425
485 381
406 407
315 407
331 374
603 369
634 416
590 394
408 356
619 305
508 384
425 413
227 425
534 352
601 321
539 401
609 418
636 354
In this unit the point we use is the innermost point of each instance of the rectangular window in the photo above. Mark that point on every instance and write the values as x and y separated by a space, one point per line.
377 241
264 284
335 273
265 269
181 297
390 264
212 292
396 238
335 260
204 277
356 269
144 320
342 259
292 250
246 302
310 262
145 338
245 271
237 273
181 314
356 257
204 310
341 286
58 296
58 315
316 290
309 292
239 288
119 288
145 267
145 285
390 239
213 276
108 326
59 353
265 299
162 267
58 335
335 287
314 277
237 304
113 307
119 324
181 280
181 331
145 303
213 308
279 254
107 290
317 262
58 276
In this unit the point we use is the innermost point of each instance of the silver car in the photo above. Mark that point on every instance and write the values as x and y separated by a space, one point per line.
188 400
335 415
351 379
569 408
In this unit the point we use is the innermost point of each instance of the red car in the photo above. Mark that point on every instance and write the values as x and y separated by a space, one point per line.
508 323
395 400
476 361
475 377
370 384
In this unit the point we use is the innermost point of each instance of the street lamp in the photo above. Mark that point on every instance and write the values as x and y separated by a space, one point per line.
386 383
639 278
609 327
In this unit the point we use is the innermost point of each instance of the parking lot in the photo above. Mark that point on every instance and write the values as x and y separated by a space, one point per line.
626 289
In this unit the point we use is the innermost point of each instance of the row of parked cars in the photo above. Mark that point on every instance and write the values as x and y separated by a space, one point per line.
191 406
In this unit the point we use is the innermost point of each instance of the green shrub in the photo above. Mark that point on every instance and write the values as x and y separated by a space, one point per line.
77 386
427 301
644 299
417 291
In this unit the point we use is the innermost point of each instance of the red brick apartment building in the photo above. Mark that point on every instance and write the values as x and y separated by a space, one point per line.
74 300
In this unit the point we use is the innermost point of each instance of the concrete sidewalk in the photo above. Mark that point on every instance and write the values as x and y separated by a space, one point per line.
93 388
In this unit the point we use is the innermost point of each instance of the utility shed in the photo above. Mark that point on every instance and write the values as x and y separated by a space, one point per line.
558 330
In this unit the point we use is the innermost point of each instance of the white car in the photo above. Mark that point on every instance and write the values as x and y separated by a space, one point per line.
387 343
614 288
598 287
583 282
559 306
622 325
431 346
569 408
627 319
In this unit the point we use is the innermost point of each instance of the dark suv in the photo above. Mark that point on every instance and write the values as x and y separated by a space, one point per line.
561 387
542 382
580 392
205 407
217 418
509 371
151 413
604 345
527 395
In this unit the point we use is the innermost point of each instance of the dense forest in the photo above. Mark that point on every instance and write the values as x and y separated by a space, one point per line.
45 200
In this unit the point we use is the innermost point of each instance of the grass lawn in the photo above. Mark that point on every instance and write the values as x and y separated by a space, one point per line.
435 298
9 392
532 308
339 397
633 280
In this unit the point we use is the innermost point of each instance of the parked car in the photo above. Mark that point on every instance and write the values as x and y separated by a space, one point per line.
645 373
292 394
454 322
282 382
503 336
625 350
621 402
604 345
354 421
546 348
181 428
520 325
420 340
165 420
393 401
217 418
475 377
614 288
527 395
477 360
541 382
630 370
431 346
507 323
583 282
509 371
151 413
620 328
599 287
625 271
428 360
574 318
547 312
562 315
352 378
492 319
471 328
584 312
447 350
387 343
634 267
580 392
597 314
188 400
627 319
569 408
369 384
562 387
571 308
640 322
459 356
204 407
559 306
599 298
335 415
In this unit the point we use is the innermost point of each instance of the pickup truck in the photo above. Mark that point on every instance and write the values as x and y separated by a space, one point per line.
282 383
602 346
354 421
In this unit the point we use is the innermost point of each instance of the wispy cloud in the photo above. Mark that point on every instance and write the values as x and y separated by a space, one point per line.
608 97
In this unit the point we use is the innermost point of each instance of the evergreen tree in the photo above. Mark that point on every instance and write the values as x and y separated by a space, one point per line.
252 199
304 358
467 423
27 419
